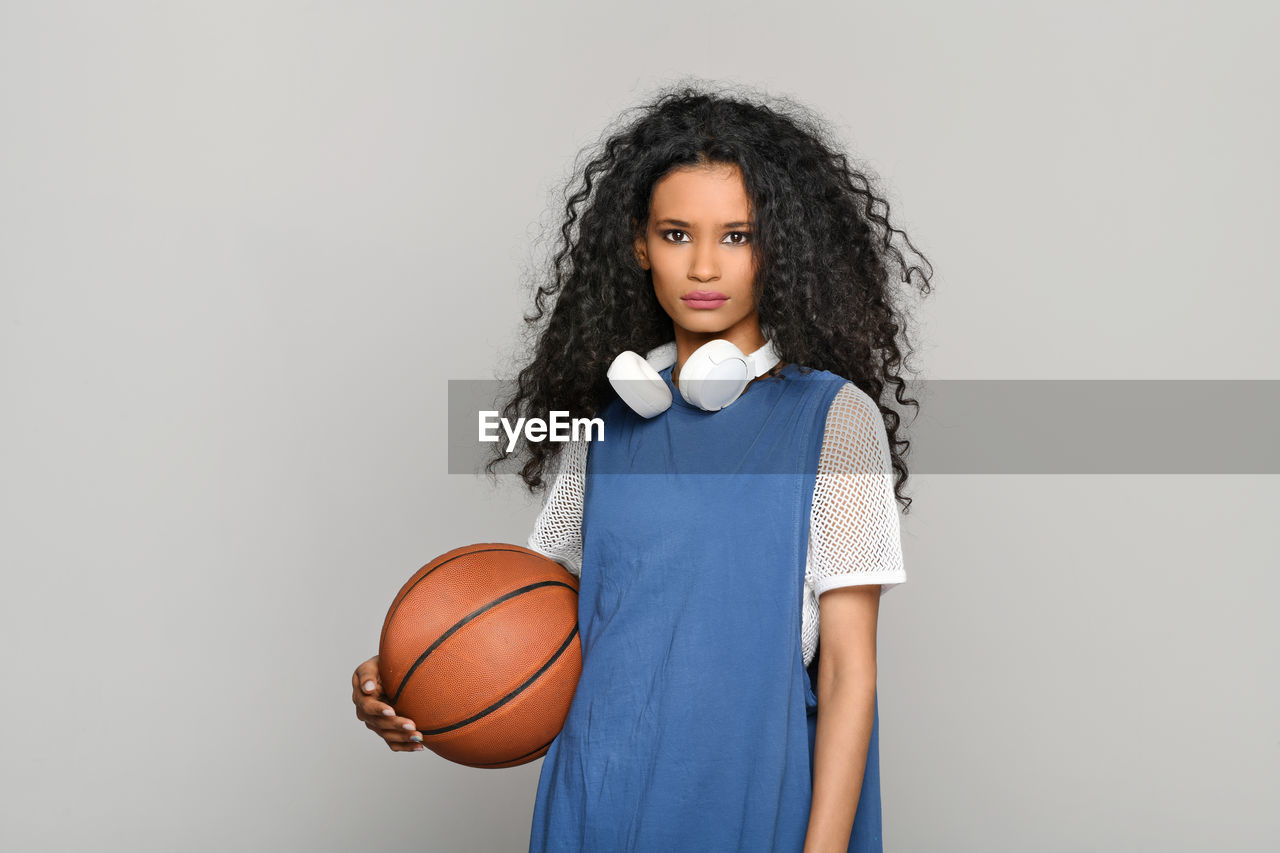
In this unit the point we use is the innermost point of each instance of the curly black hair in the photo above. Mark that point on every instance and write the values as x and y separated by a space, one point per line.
827 269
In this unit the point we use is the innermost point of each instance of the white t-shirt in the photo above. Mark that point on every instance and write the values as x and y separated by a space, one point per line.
853 526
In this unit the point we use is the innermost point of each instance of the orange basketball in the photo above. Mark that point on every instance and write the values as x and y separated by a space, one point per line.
480 649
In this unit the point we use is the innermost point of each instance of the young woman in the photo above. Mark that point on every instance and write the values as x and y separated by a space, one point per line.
727 527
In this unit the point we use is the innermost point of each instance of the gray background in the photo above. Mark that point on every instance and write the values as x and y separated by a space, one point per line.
244 246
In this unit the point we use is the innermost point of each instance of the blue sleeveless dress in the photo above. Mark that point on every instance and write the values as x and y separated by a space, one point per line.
692 727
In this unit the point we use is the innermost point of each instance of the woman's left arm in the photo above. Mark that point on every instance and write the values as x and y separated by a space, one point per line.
846 692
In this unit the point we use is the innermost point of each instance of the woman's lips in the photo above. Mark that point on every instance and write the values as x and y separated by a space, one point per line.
704 299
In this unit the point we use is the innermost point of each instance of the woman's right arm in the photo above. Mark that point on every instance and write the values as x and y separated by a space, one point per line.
557 533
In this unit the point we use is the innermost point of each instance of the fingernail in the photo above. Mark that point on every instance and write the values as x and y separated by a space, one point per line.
388 712
408 726
416 738
418 748
368 687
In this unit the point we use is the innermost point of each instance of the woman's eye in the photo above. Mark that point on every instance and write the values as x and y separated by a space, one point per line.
743 237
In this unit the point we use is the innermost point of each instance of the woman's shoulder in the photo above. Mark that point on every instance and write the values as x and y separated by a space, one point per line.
821 379
840 393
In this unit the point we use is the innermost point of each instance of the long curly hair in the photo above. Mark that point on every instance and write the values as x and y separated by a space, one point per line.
827 269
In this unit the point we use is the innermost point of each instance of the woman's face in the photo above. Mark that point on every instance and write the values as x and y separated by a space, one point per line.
698 248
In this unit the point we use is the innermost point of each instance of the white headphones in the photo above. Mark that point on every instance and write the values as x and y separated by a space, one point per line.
637 381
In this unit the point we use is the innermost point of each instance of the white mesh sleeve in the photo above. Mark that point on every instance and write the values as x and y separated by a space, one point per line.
854 533
557 532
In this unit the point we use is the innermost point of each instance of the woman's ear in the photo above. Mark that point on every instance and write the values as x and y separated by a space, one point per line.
641 251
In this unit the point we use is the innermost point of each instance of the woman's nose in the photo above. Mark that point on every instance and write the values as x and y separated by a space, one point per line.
705 265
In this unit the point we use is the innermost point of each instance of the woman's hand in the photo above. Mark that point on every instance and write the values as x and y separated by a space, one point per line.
400 733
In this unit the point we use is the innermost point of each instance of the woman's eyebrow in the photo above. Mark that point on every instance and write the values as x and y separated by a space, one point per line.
680 223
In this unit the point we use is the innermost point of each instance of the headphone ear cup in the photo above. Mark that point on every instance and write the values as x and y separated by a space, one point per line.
715 375
639 385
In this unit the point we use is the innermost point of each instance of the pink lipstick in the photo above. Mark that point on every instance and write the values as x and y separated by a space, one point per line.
704 299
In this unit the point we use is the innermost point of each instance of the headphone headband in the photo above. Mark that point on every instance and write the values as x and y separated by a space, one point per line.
762 360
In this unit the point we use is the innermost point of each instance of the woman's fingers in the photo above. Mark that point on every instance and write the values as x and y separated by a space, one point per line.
405 747
399 740
366 678
395 735
400 733
392 723
382 714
